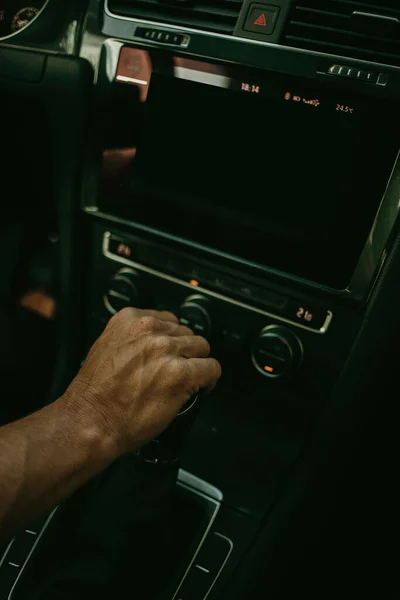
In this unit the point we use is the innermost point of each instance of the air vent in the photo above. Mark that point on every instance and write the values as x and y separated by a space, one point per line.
366 30
214 15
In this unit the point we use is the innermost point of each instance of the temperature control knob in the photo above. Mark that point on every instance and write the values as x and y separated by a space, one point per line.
122 291
277 351
194 313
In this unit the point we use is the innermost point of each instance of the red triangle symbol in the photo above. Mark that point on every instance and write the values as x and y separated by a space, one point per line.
261 20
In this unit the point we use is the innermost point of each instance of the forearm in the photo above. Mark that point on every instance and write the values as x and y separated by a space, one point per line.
46 457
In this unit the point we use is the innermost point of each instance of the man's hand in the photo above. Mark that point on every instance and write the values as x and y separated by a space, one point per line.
139 374
136 378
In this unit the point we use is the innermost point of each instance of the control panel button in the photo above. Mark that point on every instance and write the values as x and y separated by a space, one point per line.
122 291
262 18
194 313
277 352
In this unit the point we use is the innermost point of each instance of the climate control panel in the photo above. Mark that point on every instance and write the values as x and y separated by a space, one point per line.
254 343
257 345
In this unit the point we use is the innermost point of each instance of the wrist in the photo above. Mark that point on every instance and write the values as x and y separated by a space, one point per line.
90 428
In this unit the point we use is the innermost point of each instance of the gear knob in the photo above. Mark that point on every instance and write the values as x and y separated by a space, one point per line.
167 448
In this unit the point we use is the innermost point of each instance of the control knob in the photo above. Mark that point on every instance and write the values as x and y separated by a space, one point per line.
277 351
194 313
122 291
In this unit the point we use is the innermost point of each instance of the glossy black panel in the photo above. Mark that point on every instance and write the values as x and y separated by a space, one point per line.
282 167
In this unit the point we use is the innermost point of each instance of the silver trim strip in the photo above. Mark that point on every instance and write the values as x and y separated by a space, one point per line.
188 407
131 80
40 534
223 564
139 267
360 13
3 558
190 480
374 253
198 489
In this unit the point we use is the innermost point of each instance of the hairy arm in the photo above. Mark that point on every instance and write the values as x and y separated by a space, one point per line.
46 457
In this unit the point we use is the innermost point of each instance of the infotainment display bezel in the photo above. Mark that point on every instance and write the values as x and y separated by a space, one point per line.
375 249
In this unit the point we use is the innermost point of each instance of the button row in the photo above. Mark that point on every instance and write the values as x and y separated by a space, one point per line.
312 317
182 268
361 75
162 37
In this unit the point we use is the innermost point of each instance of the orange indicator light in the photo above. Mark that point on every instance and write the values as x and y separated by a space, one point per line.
194 282
269 369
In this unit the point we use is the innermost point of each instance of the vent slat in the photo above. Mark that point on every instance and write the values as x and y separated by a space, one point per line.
330 26
214 15
334 31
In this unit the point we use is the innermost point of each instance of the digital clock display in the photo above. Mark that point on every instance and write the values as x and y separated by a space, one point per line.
249 87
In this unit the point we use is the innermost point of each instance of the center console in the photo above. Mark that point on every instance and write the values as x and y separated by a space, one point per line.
256 197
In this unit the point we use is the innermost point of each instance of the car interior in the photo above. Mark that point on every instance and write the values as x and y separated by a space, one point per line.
237 163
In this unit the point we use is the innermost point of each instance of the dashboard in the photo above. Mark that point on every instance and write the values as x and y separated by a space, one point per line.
238 164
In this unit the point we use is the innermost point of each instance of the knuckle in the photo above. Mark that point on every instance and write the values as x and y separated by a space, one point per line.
160 344
125 314
148 324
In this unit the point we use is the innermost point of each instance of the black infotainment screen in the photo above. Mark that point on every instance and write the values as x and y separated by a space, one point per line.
277 171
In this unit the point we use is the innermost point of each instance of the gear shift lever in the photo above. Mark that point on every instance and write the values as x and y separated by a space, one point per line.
167 448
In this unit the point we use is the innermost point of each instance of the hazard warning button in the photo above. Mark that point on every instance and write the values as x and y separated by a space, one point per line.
262 18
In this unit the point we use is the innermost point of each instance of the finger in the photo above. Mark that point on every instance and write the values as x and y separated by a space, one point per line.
130 314
206 372
162 315
174 329
193 346
182 331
